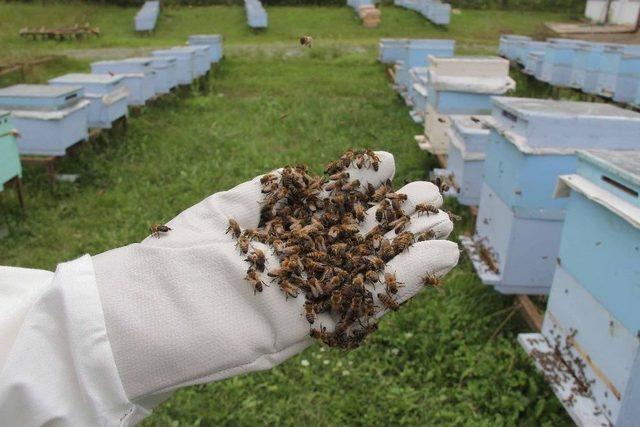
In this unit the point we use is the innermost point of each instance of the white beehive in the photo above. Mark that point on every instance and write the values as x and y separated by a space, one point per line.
138 76
185 64
165 73
107 96
201 61
460 85
214 41
50 119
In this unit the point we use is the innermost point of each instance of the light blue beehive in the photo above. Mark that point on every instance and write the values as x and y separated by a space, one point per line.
468 139
391 50
586 67
107 96
558 61
49 119
201 62
416 55
9 159
418 93
533 64
637 100
256 14
609 64
440 13
165 73
532 141
508 45
595 290
185 64
138 76
627 79
460 85
522 49
212 40
145 19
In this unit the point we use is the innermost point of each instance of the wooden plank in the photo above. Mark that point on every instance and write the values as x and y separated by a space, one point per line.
529 312
588 28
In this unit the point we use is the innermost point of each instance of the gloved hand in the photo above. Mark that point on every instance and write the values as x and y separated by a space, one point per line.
178 310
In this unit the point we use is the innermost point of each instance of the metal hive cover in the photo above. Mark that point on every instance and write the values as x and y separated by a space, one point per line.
37 91
526 107
88 78
625 164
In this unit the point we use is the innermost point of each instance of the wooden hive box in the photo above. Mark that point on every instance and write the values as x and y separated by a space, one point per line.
147 16
558 61
50 119
212 40
185 60
531 143
592 320
586 67
609 64
439 13
533 64
201 61
138 76
417 55
523 47
165 69
508 45
627 78
391 50
460 85
9 158
107 96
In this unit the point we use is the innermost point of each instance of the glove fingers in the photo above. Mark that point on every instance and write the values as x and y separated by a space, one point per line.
417 192
430 258
368 175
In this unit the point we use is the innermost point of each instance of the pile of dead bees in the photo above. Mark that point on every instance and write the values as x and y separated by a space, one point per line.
312 225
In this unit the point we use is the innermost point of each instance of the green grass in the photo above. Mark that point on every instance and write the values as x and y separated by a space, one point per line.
446 358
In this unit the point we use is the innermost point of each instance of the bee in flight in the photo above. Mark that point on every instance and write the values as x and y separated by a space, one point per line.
306 41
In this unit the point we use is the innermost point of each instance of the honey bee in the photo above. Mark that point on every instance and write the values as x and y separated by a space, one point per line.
358 282
320 334
391 283
339 176
257 259
400 224
388 302
427 235
374 159
371 276
453 217
397 196
289 289
156 229
243 244
315 287
376 262
380 193
359 211
234 228
336 301
386 251
353 185
360 161
268 178
306 41
254 279
381 210
431 280
309 312
402 242
426 208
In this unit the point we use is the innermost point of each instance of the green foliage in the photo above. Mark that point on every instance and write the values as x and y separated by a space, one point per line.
441 360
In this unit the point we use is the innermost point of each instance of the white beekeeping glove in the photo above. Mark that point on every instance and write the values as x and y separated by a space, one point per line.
106 338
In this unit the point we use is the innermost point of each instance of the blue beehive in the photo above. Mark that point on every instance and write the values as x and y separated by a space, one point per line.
522 48
50 119
256 14
439 13
532 141
592 311
416 55
586 67
185 64
9 159
165 73
637 100
627 79
137 73
468 139
212 40
147 16
508 45
558 61
201 62
533 63
460 85
107 96
392 50
417 93
609 64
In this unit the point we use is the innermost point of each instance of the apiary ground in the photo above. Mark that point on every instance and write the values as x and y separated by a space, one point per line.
449 357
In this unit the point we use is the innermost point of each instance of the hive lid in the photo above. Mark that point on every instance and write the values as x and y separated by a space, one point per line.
4 113
431 43
470 66
513 37
37 91
528 107
623 164
470 124
196 49
39 97
567 42
205 37
80 78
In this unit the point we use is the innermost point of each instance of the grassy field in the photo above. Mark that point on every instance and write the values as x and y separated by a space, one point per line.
447 358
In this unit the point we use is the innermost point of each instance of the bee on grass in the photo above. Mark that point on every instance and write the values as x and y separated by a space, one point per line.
306 41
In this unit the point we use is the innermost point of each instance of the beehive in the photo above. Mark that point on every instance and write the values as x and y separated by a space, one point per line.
439 13
532 141
212 40
256 14
593 303
165 73
627 79
9 159
637 100
522 49
508 45
586 67
107 96
138 76
201 62
533 64
392 50
185 60
460 85
50 119
558 61
145 19
417 55
417 93
468 139
609 64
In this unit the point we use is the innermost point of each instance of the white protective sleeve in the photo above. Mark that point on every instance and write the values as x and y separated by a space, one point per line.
56 364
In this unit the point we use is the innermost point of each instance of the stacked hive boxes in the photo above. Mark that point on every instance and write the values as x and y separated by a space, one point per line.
138 76
590 329
107 96
9 159
185 63
50 119
532 142
214 41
